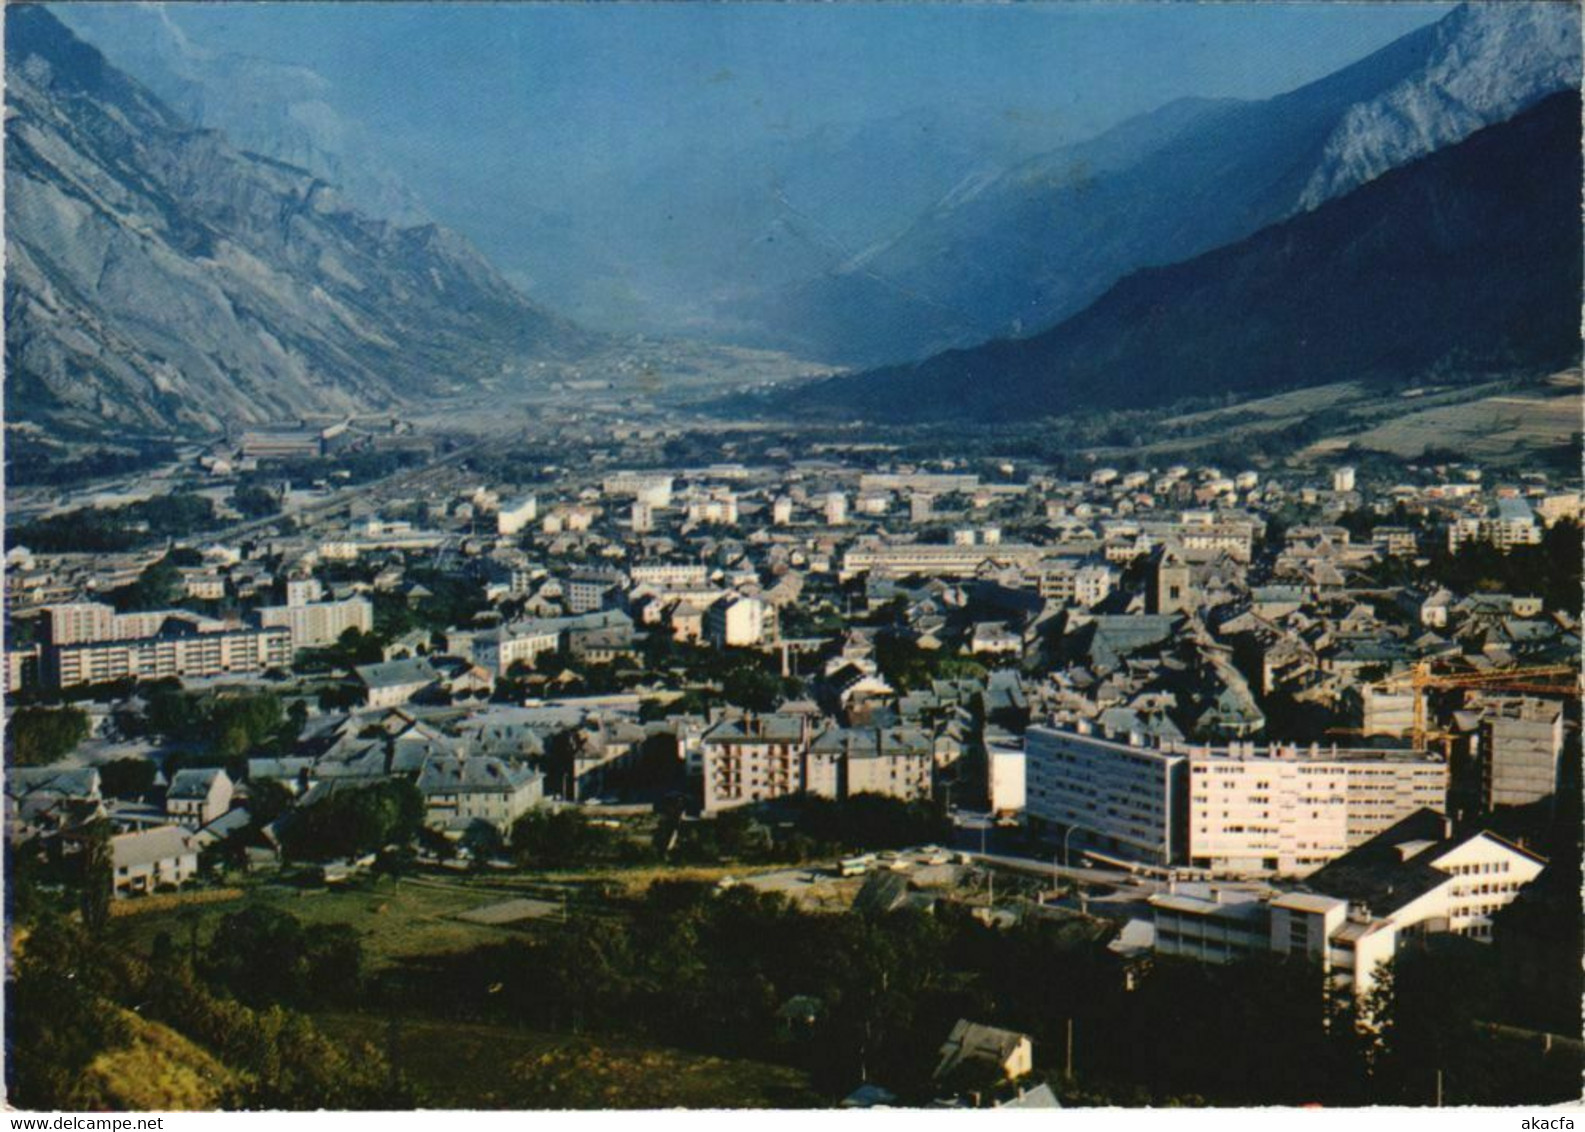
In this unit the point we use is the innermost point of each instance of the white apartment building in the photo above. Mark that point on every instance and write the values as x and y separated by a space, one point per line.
738 622
1006 768
1120 793
1513 525
1414 878
1237 809
1384 711
90 621
152 859
497 651
183 646
197 796
645 487
304 591
1396 542
898 762
205 585
515 516
719 506
759 757
575 518
1282 810
899 560
1521 750
319 623
836 509
1072 579
1203 536
588 591
460 791
756 758
930 483
22 666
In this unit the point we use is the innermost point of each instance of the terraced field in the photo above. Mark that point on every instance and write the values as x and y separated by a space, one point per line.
1500 429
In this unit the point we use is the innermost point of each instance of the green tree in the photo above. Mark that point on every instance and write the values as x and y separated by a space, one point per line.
98 875
38 736
547 838
58 1018
265 956
127 777
354 822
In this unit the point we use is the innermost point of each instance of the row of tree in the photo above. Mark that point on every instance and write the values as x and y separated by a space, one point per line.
711 971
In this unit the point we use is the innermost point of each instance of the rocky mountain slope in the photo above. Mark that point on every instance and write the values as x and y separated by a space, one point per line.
275 109
1463 262
1017 253
160 278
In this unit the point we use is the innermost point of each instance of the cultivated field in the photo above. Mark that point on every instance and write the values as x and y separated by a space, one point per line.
1496 430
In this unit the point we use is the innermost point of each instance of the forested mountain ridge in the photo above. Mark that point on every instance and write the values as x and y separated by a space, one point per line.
1466 260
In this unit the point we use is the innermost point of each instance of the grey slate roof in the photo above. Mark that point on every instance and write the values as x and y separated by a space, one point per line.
130 850
193 784
396 673
447 774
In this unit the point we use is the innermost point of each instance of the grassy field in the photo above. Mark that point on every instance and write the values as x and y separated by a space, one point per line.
469 1065
452 1064
401 919
1492 429
1498 422
394 919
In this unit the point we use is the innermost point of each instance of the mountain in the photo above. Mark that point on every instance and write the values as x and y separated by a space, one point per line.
157 277
662 241
681 242
277 110
1038 242
1464 261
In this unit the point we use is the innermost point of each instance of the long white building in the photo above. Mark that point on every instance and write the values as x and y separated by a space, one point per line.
1414 878
957 561
1239 809
514 516
180 647
499 649
1286 810
671 575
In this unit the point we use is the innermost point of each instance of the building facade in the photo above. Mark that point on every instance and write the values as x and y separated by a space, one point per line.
181 647
320 623
1122 795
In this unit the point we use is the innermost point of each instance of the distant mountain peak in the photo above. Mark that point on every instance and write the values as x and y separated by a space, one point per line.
1486 63
1466 261
1046 237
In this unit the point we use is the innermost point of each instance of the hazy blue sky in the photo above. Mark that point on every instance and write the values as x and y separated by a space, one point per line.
579 82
